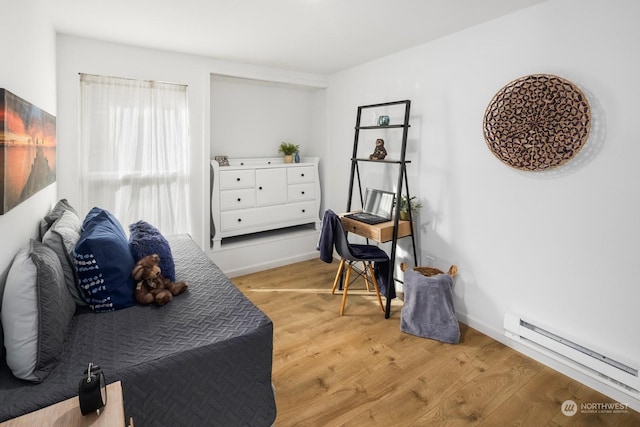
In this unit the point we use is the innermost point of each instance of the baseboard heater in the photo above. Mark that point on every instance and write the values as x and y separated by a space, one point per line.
597 365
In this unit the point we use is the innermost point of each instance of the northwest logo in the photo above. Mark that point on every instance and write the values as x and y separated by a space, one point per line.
569 408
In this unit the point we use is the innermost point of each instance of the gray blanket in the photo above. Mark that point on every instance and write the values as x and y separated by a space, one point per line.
428 309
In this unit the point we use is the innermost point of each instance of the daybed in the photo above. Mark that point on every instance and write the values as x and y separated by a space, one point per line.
203 359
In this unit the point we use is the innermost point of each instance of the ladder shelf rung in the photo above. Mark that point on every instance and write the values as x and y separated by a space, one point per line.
381 127
362 159
385 104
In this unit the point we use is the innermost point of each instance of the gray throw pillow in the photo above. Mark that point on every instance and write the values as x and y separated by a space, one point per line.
61 207
62 237
36 312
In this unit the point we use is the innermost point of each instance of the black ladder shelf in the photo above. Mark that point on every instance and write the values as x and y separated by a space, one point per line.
402 179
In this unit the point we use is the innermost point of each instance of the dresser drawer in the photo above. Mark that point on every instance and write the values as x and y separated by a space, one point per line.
301 192
360 228
382 232
301 174
247 218
301 210
237 179
237 199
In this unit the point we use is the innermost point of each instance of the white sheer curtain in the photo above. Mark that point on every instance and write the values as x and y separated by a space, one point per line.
134 151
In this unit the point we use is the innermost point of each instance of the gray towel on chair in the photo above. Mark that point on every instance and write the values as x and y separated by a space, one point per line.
428 309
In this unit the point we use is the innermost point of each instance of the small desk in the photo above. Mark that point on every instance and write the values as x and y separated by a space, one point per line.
381 233
67 413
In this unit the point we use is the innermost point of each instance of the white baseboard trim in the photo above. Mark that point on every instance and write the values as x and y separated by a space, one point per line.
270 264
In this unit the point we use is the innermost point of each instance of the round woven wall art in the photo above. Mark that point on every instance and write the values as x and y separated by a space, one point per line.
537 122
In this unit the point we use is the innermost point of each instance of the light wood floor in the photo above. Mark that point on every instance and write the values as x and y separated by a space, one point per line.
360 369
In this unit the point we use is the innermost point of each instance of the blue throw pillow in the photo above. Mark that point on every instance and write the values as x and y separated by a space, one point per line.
104 263
145 239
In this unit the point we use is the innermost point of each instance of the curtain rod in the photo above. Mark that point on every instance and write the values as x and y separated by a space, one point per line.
132 79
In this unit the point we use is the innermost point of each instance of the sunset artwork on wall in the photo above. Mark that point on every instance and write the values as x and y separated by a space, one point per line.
27 150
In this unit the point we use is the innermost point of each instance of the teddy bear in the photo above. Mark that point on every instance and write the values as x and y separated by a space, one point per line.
379 152
151 286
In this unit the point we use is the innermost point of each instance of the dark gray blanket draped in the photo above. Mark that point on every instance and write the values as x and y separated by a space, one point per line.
428 309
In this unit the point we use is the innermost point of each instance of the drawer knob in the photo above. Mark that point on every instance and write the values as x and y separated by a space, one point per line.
239 219
301 174
238 198
304 210
259 188
238 179
303 192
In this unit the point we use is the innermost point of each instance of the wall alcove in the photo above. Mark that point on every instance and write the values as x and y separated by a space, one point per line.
249 118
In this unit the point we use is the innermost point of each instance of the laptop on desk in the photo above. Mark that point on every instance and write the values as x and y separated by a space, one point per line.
377 207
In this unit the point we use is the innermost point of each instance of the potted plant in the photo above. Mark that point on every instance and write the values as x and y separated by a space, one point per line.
407 203
288 149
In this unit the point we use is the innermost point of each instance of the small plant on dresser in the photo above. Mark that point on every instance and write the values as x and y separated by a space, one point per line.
288 149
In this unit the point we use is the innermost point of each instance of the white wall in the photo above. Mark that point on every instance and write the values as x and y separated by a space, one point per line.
560 247
250 118
28 70
80 55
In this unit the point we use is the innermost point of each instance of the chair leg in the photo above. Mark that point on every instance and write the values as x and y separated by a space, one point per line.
338 274
375 285
345 289
366 280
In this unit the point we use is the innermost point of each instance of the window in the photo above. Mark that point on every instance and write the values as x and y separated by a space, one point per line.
134 150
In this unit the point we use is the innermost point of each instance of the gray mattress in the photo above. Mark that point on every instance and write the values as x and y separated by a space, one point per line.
203 359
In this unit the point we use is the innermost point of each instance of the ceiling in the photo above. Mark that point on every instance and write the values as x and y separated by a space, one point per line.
313 36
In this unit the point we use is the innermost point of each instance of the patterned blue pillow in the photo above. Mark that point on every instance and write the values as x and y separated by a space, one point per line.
145 239
104 263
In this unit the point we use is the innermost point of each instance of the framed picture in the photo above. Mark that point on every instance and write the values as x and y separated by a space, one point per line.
27 150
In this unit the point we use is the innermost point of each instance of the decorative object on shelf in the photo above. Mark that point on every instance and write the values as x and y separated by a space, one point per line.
296 157
288 149
383 121
407 203
379 153
537 122
222 160
28 147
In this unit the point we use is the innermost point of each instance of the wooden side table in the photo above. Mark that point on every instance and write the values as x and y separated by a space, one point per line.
67 413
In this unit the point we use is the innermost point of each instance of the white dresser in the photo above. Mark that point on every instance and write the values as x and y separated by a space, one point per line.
260 194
